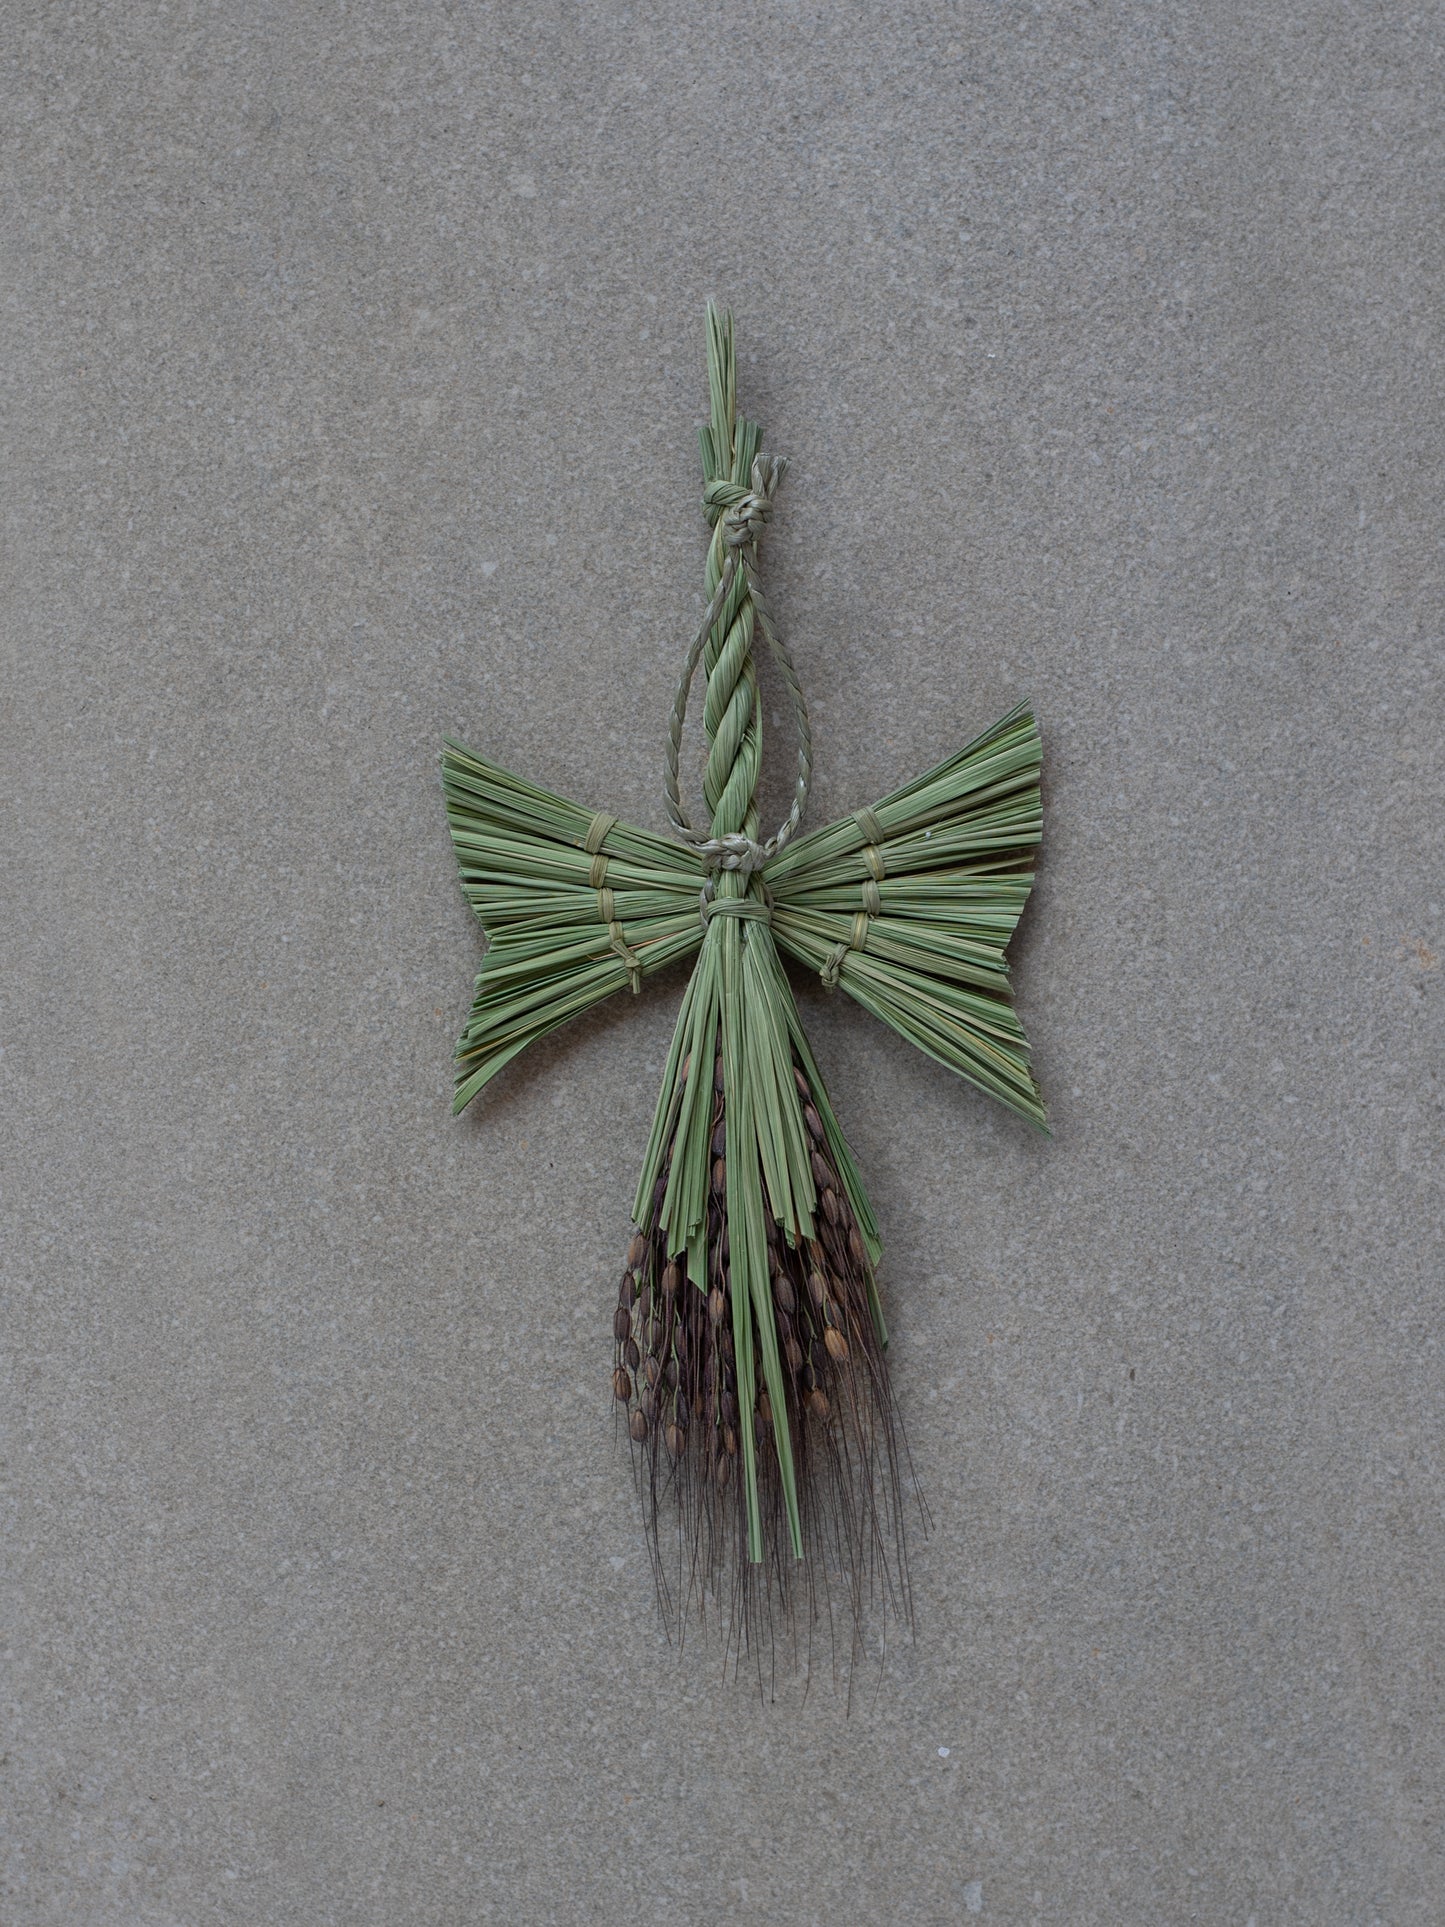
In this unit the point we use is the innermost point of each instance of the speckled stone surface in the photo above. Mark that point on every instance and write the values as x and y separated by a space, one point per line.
352 357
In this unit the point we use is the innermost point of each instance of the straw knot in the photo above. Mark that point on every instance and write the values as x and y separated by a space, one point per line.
733 852
857 939
743 509
617 943
746 520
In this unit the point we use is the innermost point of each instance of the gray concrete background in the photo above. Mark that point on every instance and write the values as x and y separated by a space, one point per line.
353 357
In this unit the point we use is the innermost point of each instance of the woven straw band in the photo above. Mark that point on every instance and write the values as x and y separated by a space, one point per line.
873 857
871 831
597 831
750 909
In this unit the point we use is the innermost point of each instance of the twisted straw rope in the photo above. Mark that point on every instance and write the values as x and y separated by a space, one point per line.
735 607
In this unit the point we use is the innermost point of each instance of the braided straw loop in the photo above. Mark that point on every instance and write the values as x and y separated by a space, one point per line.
739 510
